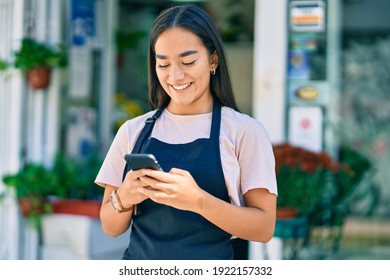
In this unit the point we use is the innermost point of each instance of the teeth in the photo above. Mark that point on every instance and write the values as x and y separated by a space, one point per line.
181 86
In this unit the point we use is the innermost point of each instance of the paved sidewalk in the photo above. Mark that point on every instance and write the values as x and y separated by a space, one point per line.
365 239
376 252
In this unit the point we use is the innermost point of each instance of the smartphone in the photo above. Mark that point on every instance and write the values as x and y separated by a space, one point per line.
141 161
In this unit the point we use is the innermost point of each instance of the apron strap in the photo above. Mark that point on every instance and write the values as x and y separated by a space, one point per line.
145 133
216 120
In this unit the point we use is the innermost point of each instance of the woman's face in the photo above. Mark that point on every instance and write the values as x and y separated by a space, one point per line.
183 68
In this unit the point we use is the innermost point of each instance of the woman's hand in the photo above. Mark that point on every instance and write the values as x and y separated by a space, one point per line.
176 188
128 192
254 221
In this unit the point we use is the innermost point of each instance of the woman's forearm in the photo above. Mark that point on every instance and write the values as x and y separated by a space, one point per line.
113 223
255 222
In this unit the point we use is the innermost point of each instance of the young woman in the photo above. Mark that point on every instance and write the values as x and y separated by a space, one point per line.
218 181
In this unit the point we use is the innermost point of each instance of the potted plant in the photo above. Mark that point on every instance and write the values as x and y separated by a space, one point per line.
306 178
78 193
59 189
33 184
36 60
318 188
302 177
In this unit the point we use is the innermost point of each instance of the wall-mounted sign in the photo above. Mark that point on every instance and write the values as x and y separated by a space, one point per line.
307 16
298 65
305 127
82 21
307 93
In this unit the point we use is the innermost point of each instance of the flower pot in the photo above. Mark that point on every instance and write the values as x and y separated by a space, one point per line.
39 78
31 205
90 208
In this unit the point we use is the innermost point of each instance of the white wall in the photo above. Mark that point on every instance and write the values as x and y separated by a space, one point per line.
28 119
269 73
11 98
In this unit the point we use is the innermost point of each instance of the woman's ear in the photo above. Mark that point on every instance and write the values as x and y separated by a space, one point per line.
214 60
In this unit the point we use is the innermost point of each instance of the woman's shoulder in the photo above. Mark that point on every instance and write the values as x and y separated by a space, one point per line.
136 121
133 126
239 120
241 127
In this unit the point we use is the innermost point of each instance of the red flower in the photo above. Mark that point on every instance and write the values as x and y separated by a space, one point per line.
302 176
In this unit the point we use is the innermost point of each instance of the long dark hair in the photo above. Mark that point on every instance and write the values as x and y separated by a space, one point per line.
196 20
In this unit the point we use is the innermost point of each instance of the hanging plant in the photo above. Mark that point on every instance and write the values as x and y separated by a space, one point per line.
36 60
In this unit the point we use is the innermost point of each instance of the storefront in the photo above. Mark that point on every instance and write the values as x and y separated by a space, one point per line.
288 77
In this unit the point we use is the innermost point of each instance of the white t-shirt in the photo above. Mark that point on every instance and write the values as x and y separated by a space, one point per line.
246 151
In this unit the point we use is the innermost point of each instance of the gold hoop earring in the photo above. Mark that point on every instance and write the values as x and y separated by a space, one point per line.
212 71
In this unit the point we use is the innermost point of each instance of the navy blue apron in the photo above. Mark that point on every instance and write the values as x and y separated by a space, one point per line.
161 232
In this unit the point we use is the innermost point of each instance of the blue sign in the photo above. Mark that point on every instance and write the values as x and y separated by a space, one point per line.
82 21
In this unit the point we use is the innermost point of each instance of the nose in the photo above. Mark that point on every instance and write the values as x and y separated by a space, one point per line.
176 72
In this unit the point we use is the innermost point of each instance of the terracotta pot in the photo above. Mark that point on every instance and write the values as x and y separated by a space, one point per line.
39 78
29 205
286 213
89 208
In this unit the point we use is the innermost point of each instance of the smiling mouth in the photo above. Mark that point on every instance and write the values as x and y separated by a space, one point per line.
181 87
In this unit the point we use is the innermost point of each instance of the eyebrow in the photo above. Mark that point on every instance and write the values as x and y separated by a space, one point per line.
187 53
